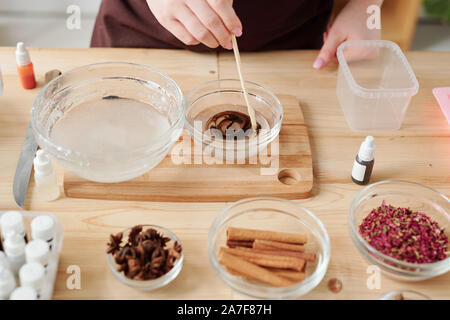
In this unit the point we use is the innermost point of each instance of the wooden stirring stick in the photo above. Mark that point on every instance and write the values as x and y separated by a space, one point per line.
251 112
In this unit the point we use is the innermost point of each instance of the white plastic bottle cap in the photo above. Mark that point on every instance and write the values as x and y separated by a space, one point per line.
367 149
23 293
32 275
7 283
3 261
14 244
43 227
12 221
22 55
37 251
42 163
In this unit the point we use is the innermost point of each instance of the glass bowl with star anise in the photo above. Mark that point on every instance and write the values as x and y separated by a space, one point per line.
145 257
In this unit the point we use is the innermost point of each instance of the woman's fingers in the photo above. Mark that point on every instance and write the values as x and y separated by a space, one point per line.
224 8
328 51
211 21
179 31
190 21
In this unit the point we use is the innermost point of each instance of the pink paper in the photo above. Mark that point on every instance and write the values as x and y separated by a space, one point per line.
443 97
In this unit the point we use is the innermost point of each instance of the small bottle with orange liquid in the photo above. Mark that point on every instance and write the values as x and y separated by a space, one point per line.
25 67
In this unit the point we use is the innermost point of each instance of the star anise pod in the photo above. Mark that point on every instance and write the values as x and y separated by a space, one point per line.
174 253
148 245
114 243
177 247
123 267
156 264
140 252
145 256
134 232
134 268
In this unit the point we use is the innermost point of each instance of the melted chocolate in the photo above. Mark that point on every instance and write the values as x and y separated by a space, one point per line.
228 122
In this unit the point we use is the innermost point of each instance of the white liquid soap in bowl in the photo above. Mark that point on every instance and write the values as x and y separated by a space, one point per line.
109 122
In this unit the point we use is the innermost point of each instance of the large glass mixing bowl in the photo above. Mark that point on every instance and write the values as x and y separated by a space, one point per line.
104 84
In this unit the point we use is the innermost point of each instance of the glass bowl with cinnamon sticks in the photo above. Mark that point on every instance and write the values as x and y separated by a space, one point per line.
145 257
269 248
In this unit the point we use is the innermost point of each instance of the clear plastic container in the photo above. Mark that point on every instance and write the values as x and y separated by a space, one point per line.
375 84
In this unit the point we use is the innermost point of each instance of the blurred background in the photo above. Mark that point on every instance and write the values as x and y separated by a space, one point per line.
413 24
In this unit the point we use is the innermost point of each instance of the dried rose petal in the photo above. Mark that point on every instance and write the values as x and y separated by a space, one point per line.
404 234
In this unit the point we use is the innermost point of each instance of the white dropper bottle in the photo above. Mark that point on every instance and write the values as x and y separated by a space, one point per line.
23 293
38 251
15 250
3 261
43 227
364 161
7 283
12 221
32 275
45 177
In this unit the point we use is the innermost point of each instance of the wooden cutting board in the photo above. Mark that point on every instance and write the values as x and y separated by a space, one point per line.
291 177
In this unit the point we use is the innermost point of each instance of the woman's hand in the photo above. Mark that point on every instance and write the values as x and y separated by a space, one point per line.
350 24
210 22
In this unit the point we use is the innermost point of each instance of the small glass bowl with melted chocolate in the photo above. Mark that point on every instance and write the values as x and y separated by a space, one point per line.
232 124
217 118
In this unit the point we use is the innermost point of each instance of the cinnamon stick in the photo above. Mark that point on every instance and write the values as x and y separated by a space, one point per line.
267 260
251 270
293 276
300 255
252 234
270 245
238 243
289 274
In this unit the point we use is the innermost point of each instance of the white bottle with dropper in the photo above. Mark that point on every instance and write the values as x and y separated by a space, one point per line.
12 221
15 250
32 275
3 261
7 283
43 227
38 251
23 293
363 164
45 177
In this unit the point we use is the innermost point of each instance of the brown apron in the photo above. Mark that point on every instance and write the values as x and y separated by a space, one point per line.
267 25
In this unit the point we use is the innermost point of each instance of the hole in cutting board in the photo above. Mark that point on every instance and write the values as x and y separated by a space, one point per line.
289 177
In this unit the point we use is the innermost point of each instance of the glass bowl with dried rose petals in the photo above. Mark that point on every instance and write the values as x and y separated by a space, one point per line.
145 257
403 228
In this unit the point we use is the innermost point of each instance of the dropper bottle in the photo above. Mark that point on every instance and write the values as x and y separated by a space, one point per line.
15 250
45 177
25 67
365 159
7 283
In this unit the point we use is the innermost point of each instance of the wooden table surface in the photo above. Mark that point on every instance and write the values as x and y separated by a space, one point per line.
419 152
